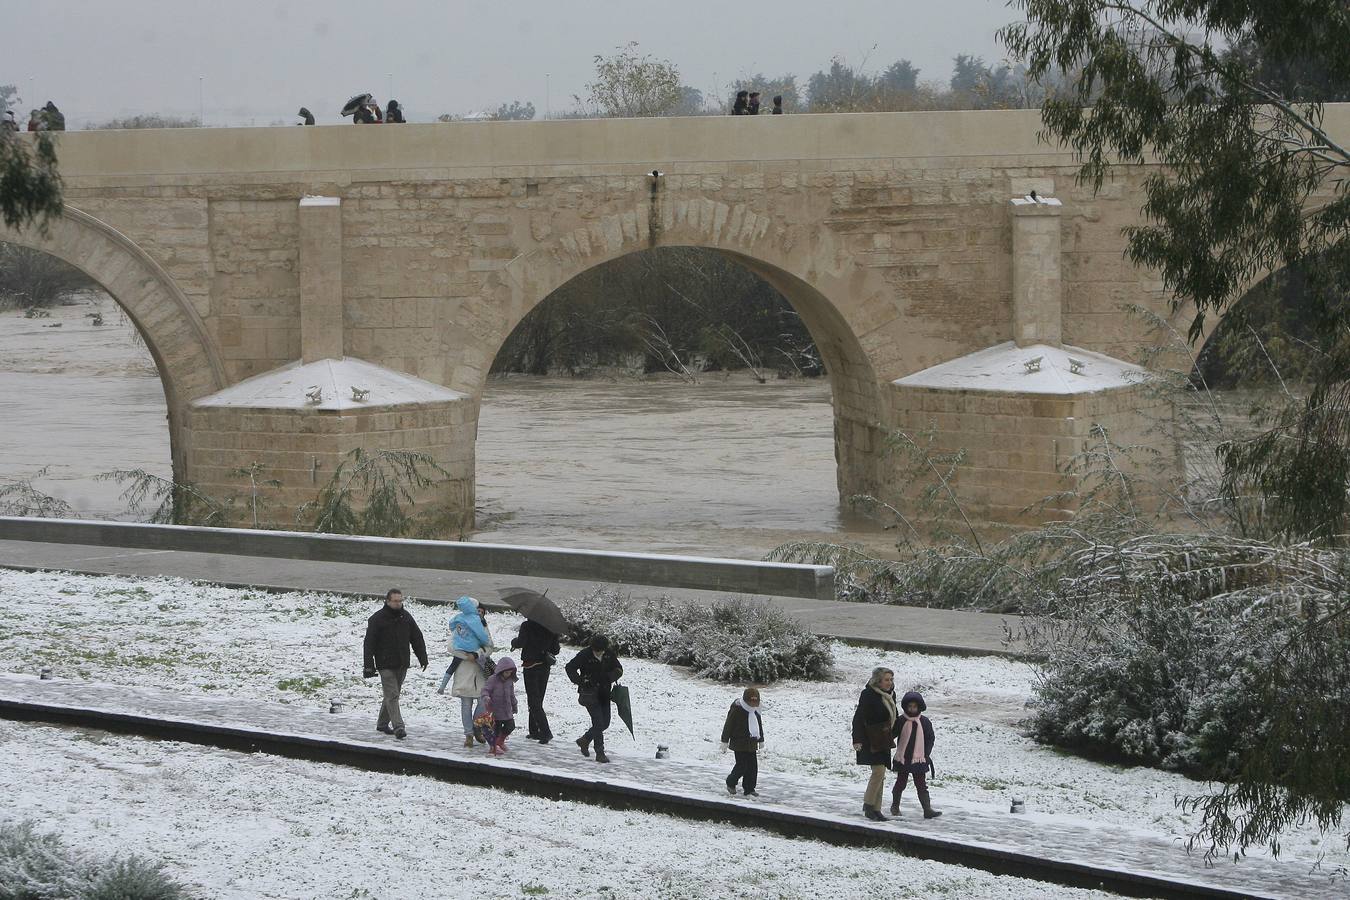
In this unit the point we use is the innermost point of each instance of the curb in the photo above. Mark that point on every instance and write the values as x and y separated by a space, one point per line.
558 786
498 606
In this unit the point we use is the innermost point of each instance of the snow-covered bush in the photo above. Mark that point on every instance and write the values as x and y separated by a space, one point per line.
1156 682
731 640
39 866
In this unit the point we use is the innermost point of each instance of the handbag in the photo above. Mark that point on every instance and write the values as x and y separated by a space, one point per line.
588 696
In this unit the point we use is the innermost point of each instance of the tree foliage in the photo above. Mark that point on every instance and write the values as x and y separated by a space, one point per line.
628 84
1251 182
149 120
1225 96
679 309
515 111
373 492
30 185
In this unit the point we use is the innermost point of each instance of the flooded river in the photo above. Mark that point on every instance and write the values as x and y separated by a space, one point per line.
724 467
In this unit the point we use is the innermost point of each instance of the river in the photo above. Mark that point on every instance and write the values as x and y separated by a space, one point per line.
725 467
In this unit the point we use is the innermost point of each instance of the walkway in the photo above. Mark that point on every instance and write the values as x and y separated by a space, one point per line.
1051 848
889 627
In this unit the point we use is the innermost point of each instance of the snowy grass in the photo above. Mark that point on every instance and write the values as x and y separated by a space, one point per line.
239 826
305 648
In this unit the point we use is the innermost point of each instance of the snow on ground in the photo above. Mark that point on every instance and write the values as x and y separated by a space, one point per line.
305 648
239 825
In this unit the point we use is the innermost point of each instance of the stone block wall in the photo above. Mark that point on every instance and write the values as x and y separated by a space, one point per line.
1024 452
303 448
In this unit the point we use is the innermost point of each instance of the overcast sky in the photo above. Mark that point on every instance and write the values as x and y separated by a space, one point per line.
259 60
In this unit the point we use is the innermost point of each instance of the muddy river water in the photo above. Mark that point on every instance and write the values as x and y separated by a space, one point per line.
723 467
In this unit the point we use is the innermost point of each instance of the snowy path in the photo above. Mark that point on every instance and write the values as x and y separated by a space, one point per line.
1063 838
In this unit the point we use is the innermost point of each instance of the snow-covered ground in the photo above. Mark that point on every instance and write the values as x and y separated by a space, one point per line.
237 825
305 648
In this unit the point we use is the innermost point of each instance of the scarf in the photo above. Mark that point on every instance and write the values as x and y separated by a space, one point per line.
752 713
910 731
889 700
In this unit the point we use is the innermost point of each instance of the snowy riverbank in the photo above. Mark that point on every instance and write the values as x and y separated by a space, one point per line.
304 648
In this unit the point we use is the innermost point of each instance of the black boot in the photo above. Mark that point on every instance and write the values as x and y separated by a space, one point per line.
895 803
585 746
926 803
874 814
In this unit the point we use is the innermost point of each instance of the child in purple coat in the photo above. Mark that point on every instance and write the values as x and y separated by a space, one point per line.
499 701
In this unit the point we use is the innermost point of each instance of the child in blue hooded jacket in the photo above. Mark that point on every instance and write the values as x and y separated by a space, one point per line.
469 640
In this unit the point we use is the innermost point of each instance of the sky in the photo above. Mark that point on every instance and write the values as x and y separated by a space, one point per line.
257 61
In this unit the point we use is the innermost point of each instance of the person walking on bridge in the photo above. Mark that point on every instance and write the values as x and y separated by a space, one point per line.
389 634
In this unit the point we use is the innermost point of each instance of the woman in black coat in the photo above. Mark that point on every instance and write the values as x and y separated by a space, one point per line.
874 736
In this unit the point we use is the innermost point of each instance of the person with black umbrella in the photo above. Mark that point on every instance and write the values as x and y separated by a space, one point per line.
538 652
389 634
594 671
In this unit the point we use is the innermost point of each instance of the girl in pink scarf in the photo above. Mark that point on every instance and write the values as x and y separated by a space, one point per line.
913 753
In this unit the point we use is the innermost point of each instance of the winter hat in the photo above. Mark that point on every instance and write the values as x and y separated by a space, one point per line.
915 697
506 664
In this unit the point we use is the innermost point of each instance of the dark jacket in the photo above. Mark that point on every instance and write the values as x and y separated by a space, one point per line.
873 730
537 645
587 672
389 633
906 753
736 731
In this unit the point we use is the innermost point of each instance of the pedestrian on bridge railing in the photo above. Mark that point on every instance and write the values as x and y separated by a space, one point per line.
393 114
389 634
53 118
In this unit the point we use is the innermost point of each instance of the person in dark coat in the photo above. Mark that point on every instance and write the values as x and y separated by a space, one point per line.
55 119
594 671
913 753
752 106
874 735
393 114
305 114
389 634
777 105
741 104
538 652
742 734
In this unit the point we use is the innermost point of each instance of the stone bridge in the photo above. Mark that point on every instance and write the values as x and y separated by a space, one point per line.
272 271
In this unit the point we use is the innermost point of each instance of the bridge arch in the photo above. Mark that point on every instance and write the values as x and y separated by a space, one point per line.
836 301
173 332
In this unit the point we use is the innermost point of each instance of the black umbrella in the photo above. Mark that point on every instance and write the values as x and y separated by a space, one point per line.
352 105
535 607
619 696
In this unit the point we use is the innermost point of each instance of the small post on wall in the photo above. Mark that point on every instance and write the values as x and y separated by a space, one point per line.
320 279
1037 289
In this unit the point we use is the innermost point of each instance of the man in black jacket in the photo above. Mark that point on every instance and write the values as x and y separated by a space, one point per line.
389 633
594 671
538 649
